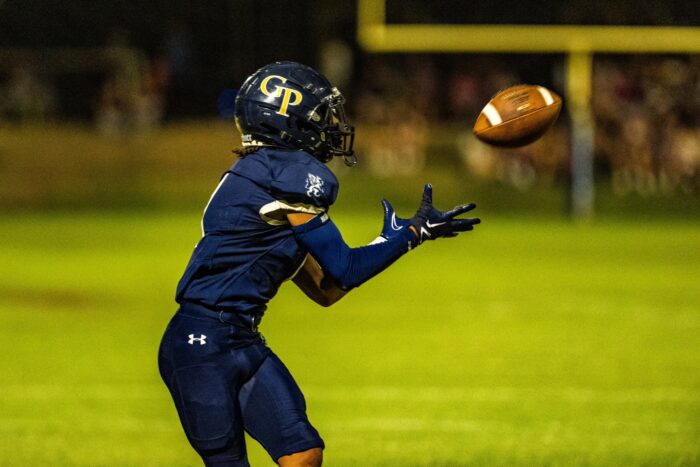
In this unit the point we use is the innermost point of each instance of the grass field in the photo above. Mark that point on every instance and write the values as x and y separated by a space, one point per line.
525 343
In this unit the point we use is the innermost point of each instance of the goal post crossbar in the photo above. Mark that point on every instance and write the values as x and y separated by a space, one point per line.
375 35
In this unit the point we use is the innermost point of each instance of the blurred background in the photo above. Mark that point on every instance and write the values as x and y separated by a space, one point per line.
111 103
551 342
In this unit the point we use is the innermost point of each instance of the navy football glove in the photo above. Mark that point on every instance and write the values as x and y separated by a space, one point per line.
392 223
431 223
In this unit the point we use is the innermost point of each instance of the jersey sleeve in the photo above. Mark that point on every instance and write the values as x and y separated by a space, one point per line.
350 267
296 182
312 185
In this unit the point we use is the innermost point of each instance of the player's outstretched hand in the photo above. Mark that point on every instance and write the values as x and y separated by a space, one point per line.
431 223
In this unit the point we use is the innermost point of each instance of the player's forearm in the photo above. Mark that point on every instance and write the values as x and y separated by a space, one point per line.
350 267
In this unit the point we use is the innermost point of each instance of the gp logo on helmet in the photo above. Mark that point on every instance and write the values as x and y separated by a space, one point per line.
290 97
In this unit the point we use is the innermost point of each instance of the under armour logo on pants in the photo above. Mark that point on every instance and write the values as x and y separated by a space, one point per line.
202 339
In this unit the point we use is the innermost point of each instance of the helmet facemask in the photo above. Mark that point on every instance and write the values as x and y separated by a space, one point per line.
339 135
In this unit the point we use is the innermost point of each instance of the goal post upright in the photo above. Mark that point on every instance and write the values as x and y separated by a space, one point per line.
579 43
579 76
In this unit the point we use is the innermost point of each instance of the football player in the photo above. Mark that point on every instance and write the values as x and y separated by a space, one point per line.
267 221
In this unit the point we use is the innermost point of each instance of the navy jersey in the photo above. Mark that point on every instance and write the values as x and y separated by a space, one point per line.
248 247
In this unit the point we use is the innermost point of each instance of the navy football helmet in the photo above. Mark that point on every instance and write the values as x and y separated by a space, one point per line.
292 105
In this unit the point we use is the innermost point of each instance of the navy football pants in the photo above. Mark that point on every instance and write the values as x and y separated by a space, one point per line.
224 380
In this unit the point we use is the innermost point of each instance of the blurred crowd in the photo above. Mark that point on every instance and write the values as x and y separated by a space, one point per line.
121 88
131 96
414 110
646 111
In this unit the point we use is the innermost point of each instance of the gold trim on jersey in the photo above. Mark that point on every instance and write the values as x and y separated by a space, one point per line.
275 213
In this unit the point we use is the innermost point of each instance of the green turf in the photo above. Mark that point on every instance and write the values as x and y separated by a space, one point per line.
524 343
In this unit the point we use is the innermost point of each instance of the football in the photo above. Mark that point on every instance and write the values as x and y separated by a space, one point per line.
517 116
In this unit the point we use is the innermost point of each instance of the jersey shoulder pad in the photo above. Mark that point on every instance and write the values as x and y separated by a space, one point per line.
297 177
